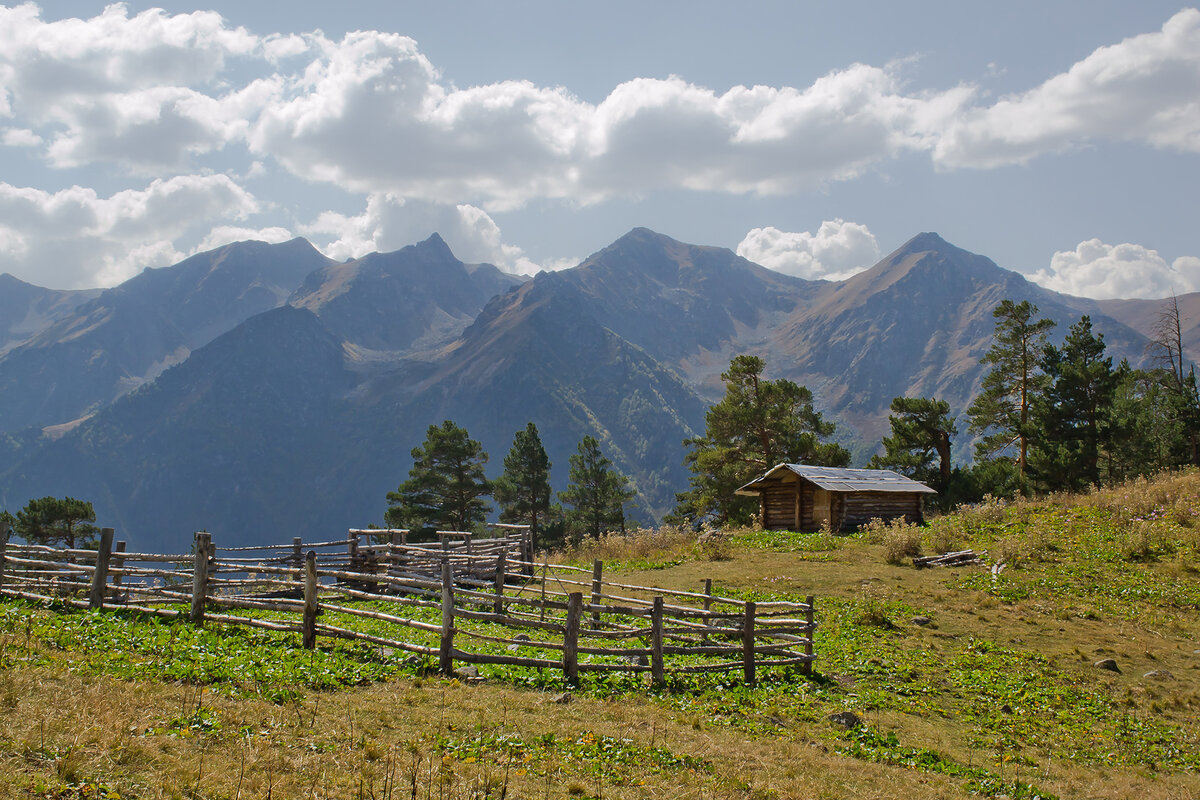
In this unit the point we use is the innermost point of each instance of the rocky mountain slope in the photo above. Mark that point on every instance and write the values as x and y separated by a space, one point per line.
297 420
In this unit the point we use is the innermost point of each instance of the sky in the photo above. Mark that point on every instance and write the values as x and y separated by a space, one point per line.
1061 139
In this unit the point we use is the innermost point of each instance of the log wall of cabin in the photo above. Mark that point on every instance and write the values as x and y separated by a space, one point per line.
862 507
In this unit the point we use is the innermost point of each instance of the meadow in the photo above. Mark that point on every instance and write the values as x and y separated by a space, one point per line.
929 683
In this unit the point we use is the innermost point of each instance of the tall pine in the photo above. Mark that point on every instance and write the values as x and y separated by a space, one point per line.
597 493
919 446
446 485
1002 409
1072 415
523 490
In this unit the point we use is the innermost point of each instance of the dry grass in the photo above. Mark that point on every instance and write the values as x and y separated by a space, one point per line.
652 545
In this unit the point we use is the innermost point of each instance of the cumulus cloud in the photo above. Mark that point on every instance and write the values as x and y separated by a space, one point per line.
389 223
227 234
1104 271
1142 89
141 91
836 251
75 239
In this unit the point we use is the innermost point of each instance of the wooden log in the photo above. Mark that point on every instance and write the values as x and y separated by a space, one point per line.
748 644
571 639
806 668
656 642
5 529
200 576
100 575
597 585
311 608
446 652
501 560
117 565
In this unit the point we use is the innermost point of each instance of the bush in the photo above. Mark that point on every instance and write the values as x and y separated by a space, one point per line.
714 546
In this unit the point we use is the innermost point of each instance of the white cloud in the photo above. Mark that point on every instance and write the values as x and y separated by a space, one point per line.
836 251
1104 271
227 234
75 239
389 223
21 137
126 90
1143 89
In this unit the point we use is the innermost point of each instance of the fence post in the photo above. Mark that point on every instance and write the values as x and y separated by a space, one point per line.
118 563
707 605
446 653
100 576
656 641
298 558
748 643
571 638
5 529
200 576
806 667
394 552
501 563
310 600
352 550
597 583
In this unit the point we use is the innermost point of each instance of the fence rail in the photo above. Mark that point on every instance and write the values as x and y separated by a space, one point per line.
459 599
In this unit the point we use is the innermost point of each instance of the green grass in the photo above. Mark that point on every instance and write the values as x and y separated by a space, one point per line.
997 696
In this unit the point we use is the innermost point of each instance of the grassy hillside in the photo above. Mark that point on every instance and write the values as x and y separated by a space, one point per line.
968 681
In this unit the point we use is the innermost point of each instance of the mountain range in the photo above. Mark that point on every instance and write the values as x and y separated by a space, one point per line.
264 391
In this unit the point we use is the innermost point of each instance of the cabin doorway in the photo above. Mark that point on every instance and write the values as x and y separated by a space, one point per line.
821 509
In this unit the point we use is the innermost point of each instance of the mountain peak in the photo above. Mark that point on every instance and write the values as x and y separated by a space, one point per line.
435 247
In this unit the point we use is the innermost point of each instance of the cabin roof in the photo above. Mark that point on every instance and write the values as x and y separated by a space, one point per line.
838 479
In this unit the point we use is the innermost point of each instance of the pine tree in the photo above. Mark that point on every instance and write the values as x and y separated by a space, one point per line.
53 520
523 491
1002 409
919 446
756 425
1072 416
597 493
446 485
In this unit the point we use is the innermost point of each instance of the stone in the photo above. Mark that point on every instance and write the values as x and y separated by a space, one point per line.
921 620
638 660
845 719
1108 664
1159 675
522 637
564 698
466 673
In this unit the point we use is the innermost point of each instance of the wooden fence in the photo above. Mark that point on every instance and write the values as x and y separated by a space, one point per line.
461 599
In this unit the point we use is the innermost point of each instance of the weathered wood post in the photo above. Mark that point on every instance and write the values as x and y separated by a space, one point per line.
200 576
748 643
809 618
395 552
707 606
501 565
597 584
545 567
298 558
100 575
446 653
571 638
352 550
310 600
656 641
5 529
118 563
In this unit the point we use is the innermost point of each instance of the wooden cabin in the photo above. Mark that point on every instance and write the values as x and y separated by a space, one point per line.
800 497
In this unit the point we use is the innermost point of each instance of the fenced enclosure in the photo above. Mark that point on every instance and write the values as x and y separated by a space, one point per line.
461 599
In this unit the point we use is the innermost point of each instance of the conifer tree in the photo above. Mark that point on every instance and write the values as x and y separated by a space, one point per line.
523 490
446 485
54 520
1002 409
597 493
757 424
919 446
1072 416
